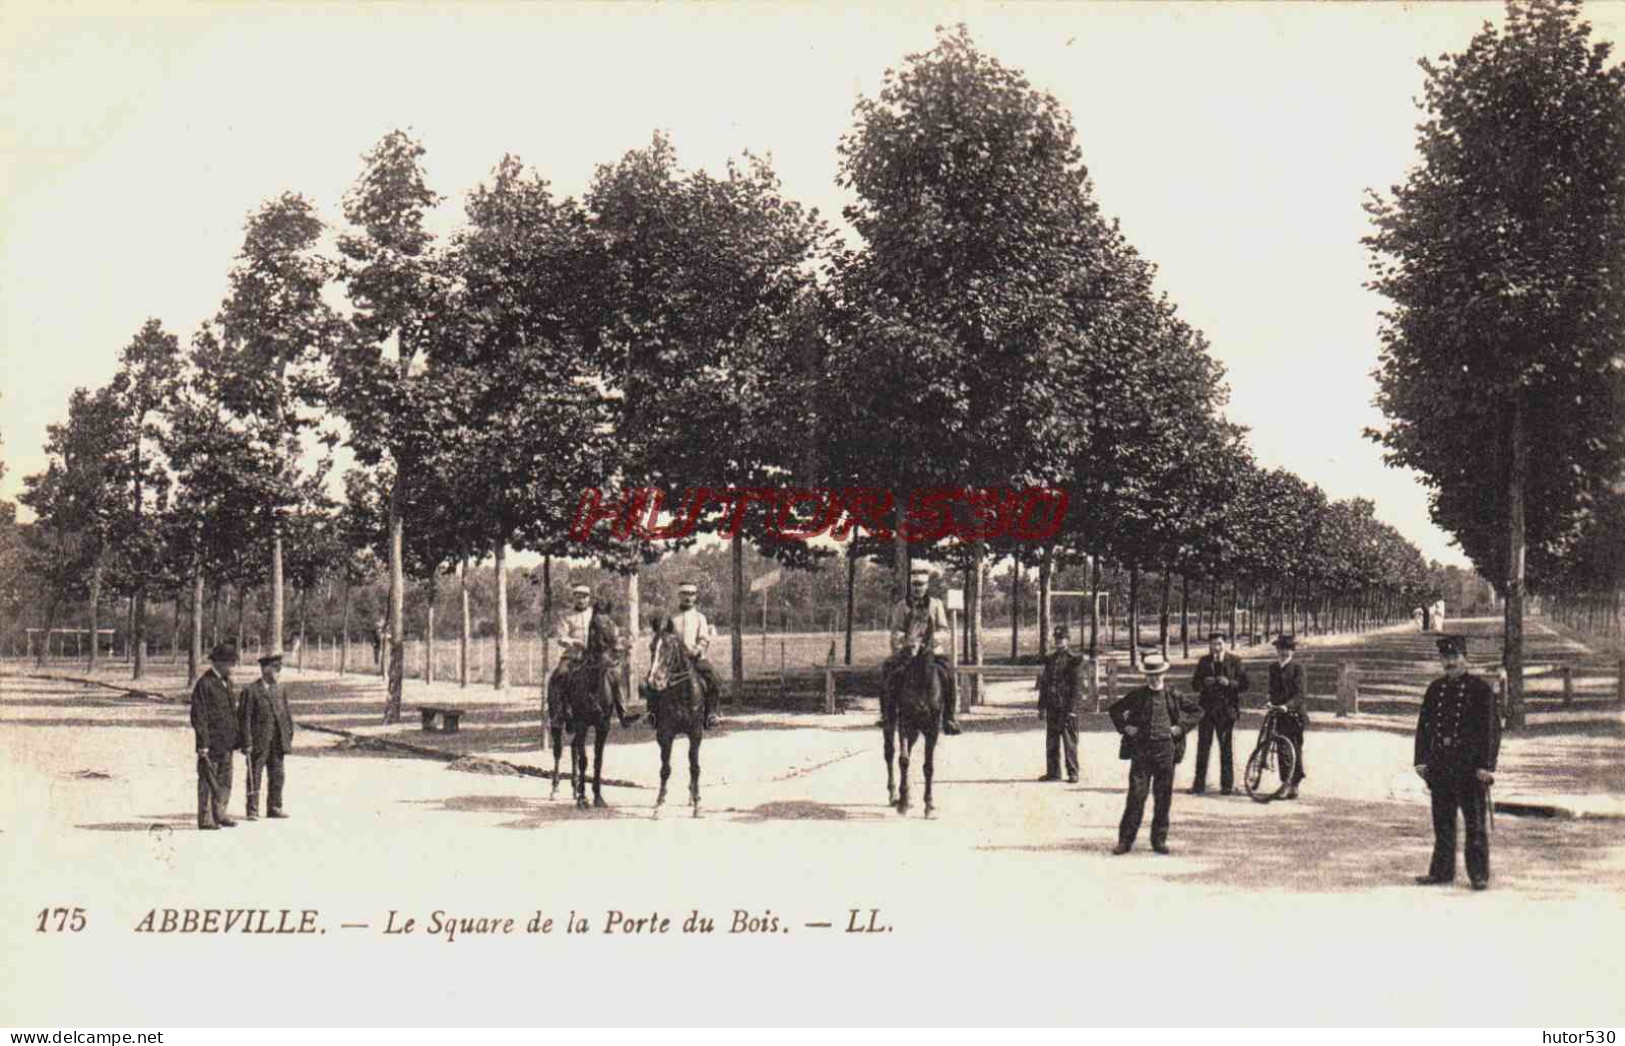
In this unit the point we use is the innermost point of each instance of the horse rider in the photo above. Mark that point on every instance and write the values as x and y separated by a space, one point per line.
571 634
920 622
1458 738
690 626
1060 699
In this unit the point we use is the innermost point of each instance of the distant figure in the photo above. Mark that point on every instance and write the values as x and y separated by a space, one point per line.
1420 617
378 643
1438 617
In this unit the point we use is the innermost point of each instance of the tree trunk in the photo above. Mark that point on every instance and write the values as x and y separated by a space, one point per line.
304 597
736 629
397 599
1015 608
978 600
1134 616
1162 614
138 633
851 584
194 650
500 676
214 620
465 636
428 634
175 629
95 606
344 651
1046 571
1094 607
242 616
1517 473
634 610
276 588
547 634
1233 597
1185 613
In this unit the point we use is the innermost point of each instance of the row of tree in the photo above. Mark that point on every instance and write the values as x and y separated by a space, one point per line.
671 330
1503 355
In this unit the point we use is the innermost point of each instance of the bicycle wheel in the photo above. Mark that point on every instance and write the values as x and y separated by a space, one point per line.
1270 769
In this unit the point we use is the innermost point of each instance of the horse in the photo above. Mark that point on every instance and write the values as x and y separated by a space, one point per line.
590 702
917 710
679 705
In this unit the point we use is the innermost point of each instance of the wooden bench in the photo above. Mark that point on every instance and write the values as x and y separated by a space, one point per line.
439 719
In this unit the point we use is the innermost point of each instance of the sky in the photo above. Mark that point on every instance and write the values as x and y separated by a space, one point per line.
1235 142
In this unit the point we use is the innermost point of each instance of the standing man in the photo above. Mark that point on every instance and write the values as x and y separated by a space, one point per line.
696 634
1289 685
1458 738
267 736
1153 721
918 623
1219 682
214 722
1060 699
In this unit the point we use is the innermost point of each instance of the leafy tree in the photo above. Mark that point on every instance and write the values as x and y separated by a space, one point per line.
1501 256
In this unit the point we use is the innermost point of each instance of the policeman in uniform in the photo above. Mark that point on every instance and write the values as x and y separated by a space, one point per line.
1060 699
690 626
266 732
1219 682
920 621
1458 737
214 723
571 634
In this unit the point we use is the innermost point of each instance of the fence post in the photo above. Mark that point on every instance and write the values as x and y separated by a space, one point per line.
829 682
1568 685
1348 691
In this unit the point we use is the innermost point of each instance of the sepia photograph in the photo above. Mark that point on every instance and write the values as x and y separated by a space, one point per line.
773 514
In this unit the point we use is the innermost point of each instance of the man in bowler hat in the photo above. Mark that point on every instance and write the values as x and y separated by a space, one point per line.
267 736
214 723
1458 738
1060 699
1219 682
1153 720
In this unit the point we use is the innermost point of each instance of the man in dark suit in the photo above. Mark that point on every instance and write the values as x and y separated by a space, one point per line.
1060 699
214 723
1289 685
1153 721
1458 739
267 736
1219 682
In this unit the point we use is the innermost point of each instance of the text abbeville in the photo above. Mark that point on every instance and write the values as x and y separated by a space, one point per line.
229 920
801 514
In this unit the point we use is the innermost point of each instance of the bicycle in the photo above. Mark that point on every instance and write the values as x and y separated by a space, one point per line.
1273 762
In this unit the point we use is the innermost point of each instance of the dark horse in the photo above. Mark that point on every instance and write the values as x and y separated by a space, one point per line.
917 710
589 704
679 708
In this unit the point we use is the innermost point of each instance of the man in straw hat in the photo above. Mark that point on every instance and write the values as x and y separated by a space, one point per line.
1153 720
266 736
690 626
919 622
571 634
1458 738
1289 686
214 724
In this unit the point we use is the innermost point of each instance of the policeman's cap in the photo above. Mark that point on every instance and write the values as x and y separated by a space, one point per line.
688 588
924 572
271 659
1452 645
581 590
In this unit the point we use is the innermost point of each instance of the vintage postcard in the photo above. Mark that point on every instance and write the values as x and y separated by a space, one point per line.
964 514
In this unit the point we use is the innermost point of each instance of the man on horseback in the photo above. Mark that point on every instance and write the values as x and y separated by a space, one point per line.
572 633
690 626
919 622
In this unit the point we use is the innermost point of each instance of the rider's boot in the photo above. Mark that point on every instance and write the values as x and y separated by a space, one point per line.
620 709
